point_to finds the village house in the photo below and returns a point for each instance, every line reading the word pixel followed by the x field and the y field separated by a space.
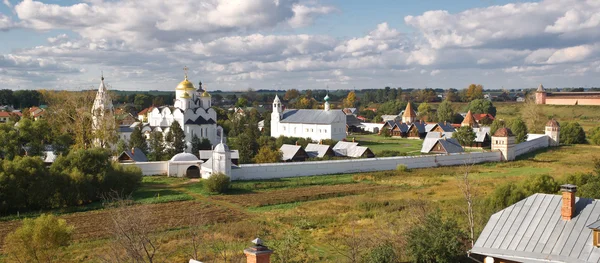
pixel 352 150
pixel 132 155
pixel 315 150
pixel 543 228
pixel 293 153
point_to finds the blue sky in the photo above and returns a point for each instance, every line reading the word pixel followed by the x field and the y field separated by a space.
pixel 268 44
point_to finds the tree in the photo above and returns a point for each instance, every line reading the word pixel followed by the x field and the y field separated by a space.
pixel 425 112
pixel 497 124
pixel 481 106
pixel 474 92
pixel 466 187
pixel 594 137
pixel 157 147
pixel 464 135
pixel 138 140
pixel 7 97
pixel 445 111
pixel 533 115
pixel 121 146
pixel 436 240
pixel 291 94
pixel 519 129
pixel 267 155
pixel 350 100
pixel 452 95
pixel 69 112
pixel 200 144
pixel 175 140
pixel 142 101
pixel 383 253
pixel 38 240
pixel 572 133
pixel 241 103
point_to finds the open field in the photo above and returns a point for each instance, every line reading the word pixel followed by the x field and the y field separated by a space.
pixel 322 209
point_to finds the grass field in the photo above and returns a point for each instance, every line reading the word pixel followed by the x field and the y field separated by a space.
pixel 378 143
pixel 321 210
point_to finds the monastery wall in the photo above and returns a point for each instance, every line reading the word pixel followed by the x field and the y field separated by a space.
pixel 572 101
pixel 152 168
pixel 529 146
pixel 296 169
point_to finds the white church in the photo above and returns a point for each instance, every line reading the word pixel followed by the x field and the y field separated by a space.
pixel 308 123
pixel 192 110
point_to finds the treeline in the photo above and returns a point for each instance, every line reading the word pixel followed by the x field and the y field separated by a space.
pixel 81 177
pixel 21 98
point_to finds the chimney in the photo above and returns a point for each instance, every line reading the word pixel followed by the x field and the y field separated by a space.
pixel 132 150
pixel 352 139
pixel 296 143
pixel 258 253
pixel 568 201
pixel 320 141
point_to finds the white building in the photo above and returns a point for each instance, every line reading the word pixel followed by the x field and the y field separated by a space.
pixel 193 112
pixel 314 124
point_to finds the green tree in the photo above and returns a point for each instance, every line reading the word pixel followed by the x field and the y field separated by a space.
pixel 572 133
pixel 200 144
pixel 594 137
pixel 436 240
pixel 445 111
pixel 121 146
pixel 519 129
pixel 464 135
pixel 138 140
pixel 391 107
pixel 38 240
pixel 267 155
pixel 383 253
pixel 157 147
pixel 481 106
pixel 497 124
pixel 241 103
pixel 175 140
pixel 142 101
pixel 426 112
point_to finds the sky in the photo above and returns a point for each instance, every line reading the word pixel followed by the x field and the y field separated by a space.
pixel 233 45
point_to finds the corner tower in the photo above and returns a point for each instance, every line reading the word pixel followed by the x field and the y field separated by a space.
pixel 504 141
pixel 552 130
pixel 540 95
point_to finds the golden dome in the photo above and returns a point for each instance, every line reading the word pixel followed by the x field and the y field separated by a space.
pixel 186 95
pixel 185 85
pixel 205 94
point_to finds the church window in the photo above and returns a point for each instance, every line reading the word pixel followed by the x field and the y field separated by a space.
pixel 284 128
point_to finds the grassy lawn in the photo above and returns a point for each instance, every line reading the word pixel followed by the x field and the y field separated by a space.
pixel 378 143
pixel 323 209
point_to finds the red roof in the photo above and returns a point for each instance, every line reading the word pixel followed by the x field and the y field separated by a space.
pixel 4 114
pixel 146 110
pixel 480 116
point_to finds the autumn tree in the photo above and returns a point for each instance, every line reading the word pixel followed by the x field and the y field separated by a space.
pixel 474 92
pixel 69 112
pixel 175 139
pixel 291 94
pixel 267 155
pixel 350 100
pixel 533 115
pixel 38 240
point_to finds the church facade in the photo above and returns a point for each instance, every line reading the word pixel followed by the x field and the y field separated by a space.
pixel 315 124
pixel 192 110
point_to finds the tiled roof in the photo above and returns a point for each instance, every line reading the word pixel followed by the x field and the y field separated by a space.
pixel 552 123
pixel 532 230
pixel 480 116
pixel 146 110
pixel 503 132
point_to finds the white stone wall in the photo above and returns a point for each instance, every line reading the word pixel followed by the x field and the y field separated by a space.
pixel 152 168
pixel 529 146
pixel 280 170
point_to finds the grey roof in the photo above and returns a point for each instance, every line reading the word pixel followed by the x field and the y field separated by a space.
pixel 313 116
pixel 429 142
pixel 316 150
pixel 420 126
pixel 447 127
pixel 451 145
pixel 125 128
pixel 349 149
pixel 481 133
pixel 532 230
pixel 137 155
pixel 289 151
pixel 352 120
pixel 207 154
pixel 595 225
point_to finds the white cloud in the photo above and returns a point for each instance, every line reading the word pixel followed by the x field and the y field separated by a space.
pixel 435 72
pixel 7 3
pixel 304 15
pixel 572 54
pixel 6 23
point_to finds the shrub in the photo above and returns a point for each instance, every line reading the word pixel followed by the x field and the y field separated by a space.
pixel 390 153
pixel 594 137
pixel 217 183
pixel 402 168
pixel 572 133
pixel 436 240
pixel 38 240
pixel 383 253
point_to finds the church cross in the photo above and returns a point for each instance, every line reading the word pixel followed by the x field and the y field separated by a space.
pixel 185 69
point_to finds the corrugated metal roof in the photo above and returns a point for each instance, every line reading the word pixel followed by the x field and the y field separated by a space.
pixel 137 155
pixel 451 145
pixel 481 133
pixel 349 149
pixel 316 150
pixel 429 142
pixel 532 230
pixel 289 151
pixel 313 116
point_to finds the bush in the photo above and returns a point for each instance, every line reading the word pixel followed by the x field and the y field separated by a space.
pixel 572 133
pixel 390 153
pixel 383 253
pixel 38 240
pixel 510 193
pixel 594 137
pixel 436 240
pixel 217 183
pixel 402 168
